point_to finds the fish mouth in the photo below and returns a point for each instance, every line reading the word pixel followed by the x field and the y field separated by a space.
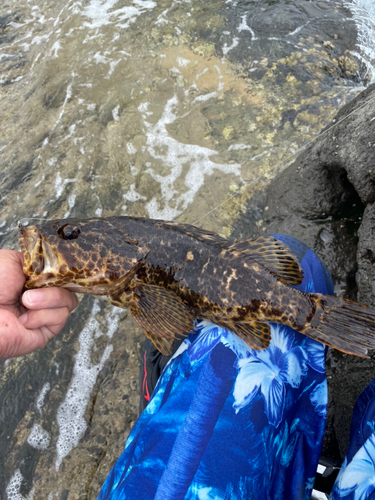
pixel 41 263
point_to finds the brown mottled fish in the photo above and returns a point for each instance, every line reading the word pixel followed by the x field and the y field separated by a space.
pixel 168 274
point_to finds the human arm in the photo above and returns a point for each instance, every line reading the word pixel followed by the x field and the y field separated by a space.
pixel 27 323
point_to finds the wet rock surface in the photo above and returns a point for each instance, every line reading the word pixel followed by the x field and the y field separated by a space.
pixel 38 400
pixel 326 199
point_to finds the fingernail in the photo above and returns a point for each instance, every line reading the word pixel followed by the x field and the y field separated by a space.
pixel 22 319
pixel 32 297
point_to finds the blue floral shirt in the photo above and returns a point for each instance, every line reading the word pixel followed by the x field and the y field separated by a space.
pixel 356 480
pixel 226 422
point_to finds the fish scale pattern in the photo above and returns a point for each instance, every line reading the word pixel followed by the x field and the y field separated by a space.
pixel 227 422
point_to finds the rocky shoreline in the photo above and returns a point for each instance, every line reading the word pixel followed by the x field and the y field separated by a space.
pixel 326 198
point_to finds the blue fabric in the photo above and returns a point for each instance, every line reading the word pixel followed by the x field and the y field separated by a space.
pixel 226 422
pixel 356 480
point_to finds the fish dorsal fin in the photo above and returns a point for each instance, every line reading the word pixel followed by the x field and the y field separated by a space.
pixel 162 314
pixel 199 234
pixel 274 255
pixel 256 334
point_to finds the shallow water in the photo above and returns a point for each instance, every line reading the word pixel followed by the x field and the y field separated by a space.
pixel 158 109
pixel 162 110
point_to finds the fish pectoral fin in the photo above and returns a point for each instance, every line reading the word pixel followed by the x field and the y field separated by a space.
pixel 256 334
pixel 162 344
pixel 274 255
pixel 162 314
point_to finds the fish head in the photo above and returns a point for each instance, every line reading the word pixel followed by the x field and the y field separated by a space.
pixel 87 256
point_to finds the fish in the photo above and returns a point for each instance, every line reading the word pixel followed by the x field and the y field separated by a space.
pixel 170 274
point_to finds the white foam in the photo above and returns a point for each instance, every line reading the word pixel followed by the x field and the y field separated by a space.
pixel 113 318
pixel 363 12
pixel 175 156
pixel 55 48
pixel 182 62
pixel 205 97
pixel 297 30
pixel 115 113
pixel 70 414
pixel 72 130
pixel 39 438
pixel 236 147
pixel 51 161
pixel 103 12
pixel 42 395
pixel 112 66
pixel 98 58
pixel 256 157
pixel 130 148
pixel 244 27
pixel 14 486
pixel 175 70
pixel 132 195
pixel 68 95
pixel 60 184
pixel 160 19
pixel 37 40
pixel 227 48
pixel 71 203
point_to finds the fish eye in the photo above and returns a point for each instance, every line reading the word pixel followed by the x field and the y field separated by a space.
pixel 69 232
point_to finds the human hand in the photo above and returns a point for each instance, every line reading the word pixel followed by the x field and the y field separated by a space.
pixel 28 323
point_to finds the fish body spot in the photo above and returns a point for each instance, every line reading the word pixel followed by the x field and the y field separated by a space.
pixel 190 255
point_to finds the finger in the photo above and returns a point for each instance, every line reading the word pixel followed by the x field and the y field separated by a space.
pixel 51 319
pixel 49 298
pixel 12 275
pixel 16 340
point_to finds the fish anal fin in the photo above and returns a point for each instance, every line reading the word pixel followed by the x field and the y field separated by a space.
pixel 256 334
pixel 274 255
pixel 162 314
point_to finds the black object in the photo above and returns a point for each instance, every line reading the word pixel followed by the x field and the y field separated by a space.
pixel 326 475
pixel 151 366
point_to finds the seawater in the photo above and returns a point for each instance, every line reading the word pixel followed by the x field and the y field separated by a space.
pixel 364 16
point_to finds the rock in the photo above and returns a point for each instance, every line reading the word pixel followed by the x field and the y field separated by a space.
pixel 326 199
pixel 366 258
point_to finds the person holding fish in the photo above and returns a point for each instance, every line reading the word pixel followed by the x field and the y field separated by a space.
pixel 28 324
pixel 229 418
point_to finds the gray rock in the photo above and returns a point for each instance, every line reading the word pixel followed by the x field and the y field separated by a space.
pixel 366 258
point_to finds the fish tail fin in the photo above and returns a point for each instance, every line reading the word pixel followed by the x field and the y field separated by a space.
pixel 342 324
